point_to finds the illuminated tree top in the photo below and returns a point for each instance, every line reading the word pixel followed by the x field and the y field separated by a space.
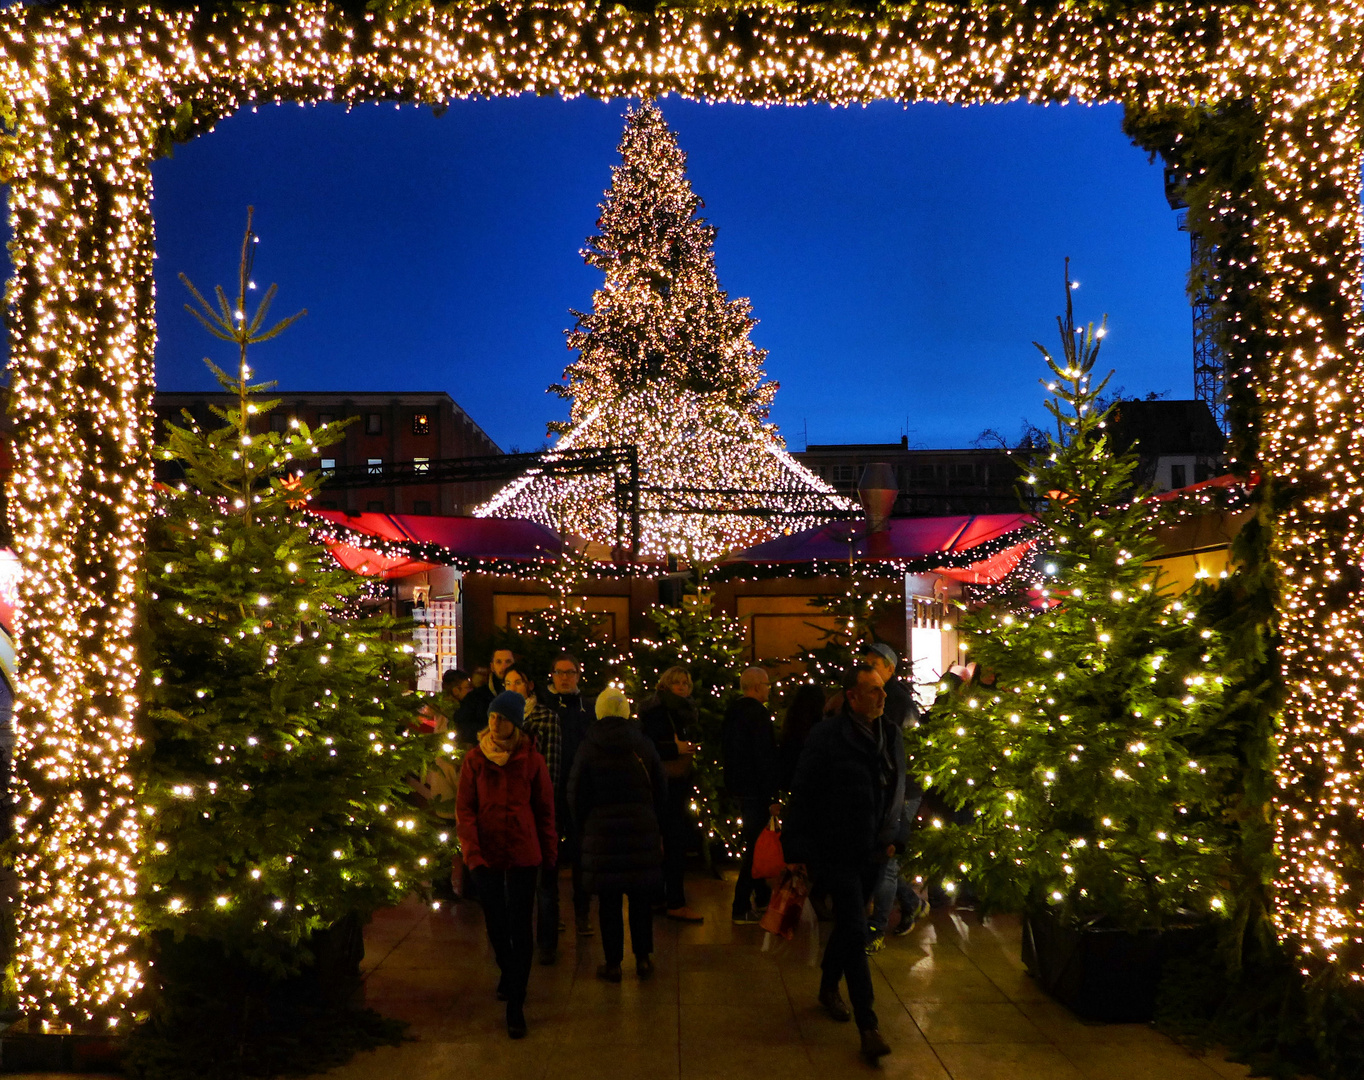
pixel 665 365
pixel 661 315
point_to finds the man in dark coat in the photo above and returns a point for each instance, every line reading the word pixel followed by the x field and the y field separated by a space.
pixel 618 795
pixel 575 716
pixel 843 822
pixel 474 708
pixel 749 745
pixel 901 708
pixel 902 711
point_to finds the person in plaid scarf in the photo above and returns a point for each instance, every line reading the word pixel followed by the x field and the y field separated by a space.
pixel 542 722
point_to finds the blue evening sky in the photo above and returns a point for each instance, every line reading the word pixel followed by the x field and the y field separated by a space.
pixel 900 261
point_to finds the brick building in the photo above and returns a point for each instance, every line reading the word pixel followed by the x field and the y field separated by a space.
pixel 390 427
pixel 933 483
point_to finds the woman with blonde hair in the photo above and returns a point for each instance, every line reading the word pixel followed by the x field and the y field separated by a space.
pixel 668 717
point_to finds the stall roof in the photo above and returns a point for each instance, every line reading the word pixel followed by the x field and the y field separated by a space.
pixel 910 544
pixel 397 545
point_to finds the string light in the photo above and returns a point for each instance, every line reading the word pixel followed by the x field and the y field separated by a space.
pixel 97 93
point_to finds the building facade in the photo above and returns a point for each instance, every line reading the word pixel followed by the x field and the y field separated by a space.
pixel 933 483
pixel 1177 443
pixel 388 427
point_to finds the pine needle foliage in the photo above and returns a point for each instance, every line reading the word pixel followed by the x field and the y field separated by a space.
pixel 1095 771
pixel 567 624
pixel 661 315
pixel 665 365
pixel 856 609
pixel 711 648
pixel 277 709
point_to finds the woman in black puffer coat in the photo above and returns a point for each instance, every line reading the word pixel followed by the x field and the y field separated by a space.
pixel 617 794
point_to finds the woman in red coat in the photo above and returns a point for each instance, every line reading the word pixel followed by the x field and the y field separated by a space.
pixel 505 815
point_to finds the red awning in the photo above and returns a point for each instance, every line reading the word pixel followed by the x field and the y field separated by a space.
pixel 411 543
pixel 912 544
pixel 1225 482
pixel 905 540
pixel 988 571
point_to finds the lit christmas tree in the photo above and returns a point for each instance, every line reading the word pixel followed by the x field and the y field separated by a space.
pixel 281 732
pixel 1099 767
pixel 710 646
pixel 665 364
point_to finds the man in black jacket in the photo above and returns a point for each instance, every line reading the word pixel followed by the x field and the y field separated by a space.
pixel 749 744
pixel 843 822
pixel 475 704
pixel 901 708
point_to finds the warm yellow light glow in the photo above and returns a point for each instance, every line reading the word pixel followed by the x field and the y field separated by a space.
pixel 96 93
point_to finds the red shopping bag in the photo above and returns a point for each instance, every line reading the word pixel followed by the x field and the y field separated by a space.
pixel 768 860
pixel 783 913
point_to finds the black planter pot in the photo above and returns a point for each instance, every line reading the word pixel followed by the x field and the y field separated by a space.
pixel 1101 973
pixel 215 1005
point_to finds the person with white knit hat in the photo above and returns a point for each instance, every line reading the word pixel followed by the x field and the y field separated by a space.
pixel 616 793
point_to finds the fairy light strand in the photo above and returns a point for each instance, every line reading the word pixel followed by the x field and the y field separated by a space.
pixel 96 93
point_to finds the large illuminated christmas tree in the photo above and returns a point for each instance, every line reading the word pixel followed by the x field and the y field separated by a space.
pixel 665 364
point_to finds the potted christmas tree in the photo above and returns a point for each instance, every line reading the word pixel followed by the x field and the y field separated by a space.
pixel 1089 759
pixel 280 742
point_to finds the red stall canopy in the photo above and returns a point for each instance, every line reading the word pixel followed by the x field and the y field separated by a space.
pixel 911 544
pixel 405 544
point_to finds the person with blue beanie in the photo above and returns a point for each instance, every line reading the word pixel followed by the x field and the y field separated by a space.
pixel 505 821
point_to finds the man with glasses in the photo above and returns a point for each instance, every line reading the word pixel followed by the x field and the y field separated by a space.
pixel 575 713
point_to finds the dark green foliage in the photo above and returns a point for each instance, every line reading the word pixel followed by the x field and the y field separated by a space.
pixel 856 610
pixel 711 648
pixel 279 728
pixel 1096 767
pixel 566 625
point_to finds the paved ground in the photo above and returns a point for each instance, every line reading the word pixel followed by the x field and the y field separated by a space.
pixel 953 999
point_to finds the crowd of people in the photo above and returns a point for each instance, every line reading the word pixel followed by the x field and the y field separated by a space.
pixel 550 776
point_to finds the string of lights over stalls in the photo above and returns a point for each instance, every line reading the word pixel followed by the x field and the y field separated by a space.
pixel 97 93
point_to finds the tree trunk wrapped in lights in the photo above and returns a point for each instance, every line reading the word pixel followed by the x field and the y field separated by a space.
pixel 665 364
pixel 1096 771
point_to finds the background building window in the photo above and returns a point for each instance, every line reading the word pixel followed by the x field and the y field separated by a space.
pixel 376 465
pixel 421 424
pixel 421 506
pixel 328 466
pixel 421 464
pixel 279 422
pixel 374 423
pixel 1177 476
pixel 325 418
pixel 374 506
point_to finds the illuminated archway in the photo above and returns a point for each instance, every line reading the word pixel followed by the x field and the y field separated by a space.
pixel 95 94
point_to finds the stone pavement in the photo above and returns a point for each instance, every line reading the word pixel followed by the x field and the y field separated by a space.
pixel 952 997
